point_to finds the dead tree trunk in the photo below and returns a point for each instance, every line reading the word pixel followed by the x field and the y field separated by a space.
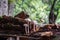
pixel 52 16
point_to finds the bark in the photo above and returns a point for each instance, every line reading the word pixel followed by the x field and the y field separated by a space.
pixel 52 16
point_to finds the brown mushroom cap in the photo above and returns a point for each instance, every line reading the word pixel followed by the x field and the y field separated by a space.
pixel 22 15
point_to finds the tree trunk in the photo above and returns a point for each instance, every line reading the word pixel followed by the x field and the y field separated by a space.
pixel 4 6
pixel 52 16
pixel 11 9
pixel 0 8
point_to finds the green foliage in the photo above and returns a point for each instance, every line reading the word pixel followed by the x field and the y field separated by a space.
pixel 37 9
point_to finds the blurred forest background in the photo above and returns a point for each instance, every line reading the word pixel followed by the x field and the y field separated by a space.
pixel 37 9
